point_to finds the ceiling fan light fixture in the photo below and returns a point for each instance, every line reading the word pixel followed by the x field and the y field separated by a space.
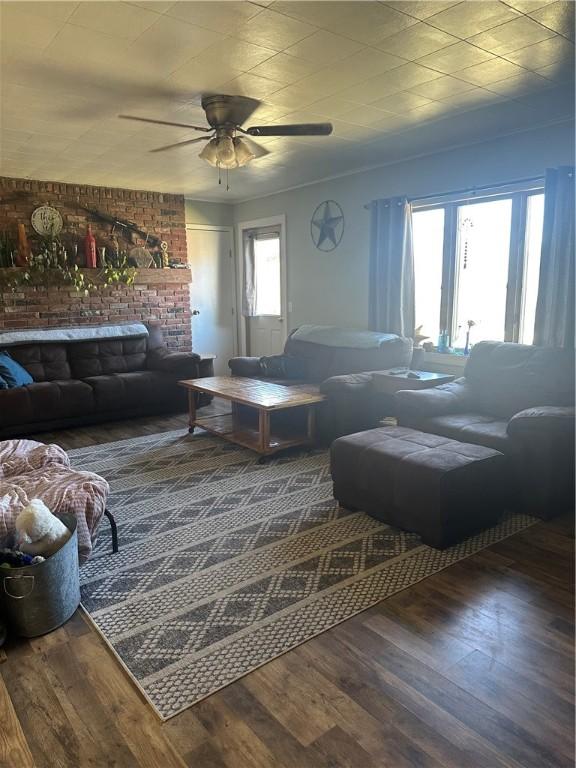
pixel 243 152
pixel 226 153
pixel 210 153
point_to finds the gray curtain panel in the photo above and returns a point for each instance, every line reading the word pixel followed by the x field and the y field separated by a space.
pixel 554 325
pixel 391 289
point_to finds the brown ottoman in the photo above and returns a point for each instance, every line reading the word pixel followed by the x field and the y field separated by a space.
pixel 436 487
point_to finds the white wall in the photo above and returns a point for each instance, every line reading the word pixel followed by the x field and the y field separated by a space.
pixel 214 214
pixel 332 288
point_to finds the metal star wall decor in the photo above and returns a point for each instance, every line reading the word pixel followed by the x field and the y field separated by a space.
pixel 327 225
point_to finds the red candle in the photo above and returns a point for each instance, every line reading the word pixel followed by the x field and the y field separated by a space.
pixel 90 249
pixel 23 255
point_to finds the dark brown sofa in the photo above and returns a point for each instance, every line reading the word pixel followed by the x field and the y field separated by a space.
pixel 339 372
pixel 519 400
pixel 85 382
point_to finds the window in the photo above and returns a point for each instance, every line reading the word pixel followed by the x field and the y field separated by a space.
pixel 476 264
pixel 267 274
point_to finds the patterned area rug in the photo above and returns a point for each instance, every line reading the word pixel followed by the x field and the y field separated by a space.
pixel 225 564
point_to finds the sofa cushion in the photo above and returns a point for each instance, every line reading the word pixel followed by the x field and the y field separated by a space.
pixel 132 390
pixel 99 358
pixel 12 372
pixel 470 428
pixel 45 401
pixel 44 362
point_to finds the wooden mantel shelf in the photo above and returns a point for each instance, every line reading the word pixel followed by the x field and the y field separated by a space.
pixel 161 276
pixel 143 276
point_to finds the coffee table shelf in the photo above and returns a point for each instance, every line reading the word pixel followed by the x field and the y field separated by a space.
pixel 265 417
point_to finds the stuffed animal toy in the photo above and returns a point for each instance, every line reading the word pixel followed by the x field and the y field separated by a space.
pixel 38 531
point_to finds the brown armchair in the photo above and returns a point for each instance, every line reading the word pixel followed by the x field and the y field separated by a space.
pixel 519 400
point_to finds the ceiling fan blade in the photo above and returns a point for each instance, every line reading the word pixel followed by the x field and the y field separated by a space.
pixel 228 109
pixel 165 122
pixel 256 149
pixel 181 144
pixel 301 129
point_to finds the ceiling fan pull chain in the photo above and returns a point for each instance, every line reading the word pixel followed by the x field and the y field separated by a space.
pixel 227 177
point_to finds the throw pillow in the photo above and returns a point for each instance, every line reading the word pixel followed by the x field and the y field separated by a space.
pixel 12 372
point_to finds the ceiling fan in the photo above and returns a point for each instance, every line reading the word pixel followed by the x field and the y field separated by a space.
pixel 225 116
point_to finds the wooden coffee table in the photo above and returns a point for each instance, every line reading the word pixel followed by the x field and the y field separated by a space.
pixel 265 417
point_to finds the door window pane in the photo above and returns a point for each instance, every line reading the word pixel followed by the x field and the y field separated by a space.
pixel 428 236
pixel 533 245
pixel 482 253
pixel 267 275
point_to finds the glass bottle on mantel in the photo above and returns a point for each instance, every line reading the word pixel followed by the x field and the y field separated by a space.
pixel 90 249
pixel 23 252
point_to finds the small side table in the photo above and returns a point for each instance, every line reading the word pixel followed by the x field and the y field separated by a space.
pixel 393 380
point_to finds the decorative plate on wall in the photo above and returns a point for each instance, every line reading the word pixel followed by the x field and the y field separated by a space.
pixel 46 220
pixel 327 225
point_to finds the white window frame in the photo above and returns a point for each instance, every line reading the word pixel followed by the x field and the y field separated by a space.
pixel 517 252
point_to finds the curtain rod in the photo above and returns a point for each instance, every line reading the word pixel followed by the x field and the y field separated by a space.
pixel 470 189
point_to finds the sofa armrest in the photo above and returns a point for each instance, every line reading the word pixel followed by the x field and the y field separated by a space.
pixel 183 364
pixel 245 366
pixel 350 384
pixel 437 401
pixel 553 420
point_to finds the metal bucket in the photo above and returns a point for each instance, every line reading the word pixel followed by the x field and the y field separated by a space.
pixel 36 599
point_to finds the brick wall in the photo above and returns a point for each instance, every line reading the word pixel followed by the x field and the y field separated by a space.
pixel 160 295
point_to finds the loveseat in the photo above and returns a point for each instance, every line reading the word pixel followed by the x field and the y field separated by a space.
pixel 519 400
pixel 121 373
pixel 336 360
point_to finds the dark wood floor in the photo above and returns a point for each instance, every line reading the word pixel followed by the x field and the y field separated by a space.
pixel 471 668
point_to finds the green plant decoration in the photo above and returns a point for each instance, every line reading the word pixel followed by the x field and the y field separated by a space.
pixel 50 267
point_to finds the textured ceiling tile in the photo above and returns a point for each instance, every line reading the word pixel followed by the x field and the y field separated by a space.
pixel 200 75
pixel 511 36
pixel 489 72
pixel 475 98
pixel 170 43
pixel 324 48
pixel 251 85
pixel 366 63
pixel 557 16
pixel 410 75
pixel 442 88
pixel 237 53
pixel 560 71
pixel 284 69
pixel 455 58
pixel 333 106
pixel 117 19
pixel 55 11
pixel 400 103
pixel 218 16
pixel 28 29
pixel 273 30
pixel 528 82
pixel 543 54
pixel 159 6
pixel 422 9
pixel 525 6
pixel 365 115
pixel 368 22
pixel 469 18
pixel 417 41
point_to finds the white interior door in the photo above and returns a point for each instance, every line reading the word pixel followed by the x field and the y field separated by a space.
pixel 266 329
pixel 213 294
